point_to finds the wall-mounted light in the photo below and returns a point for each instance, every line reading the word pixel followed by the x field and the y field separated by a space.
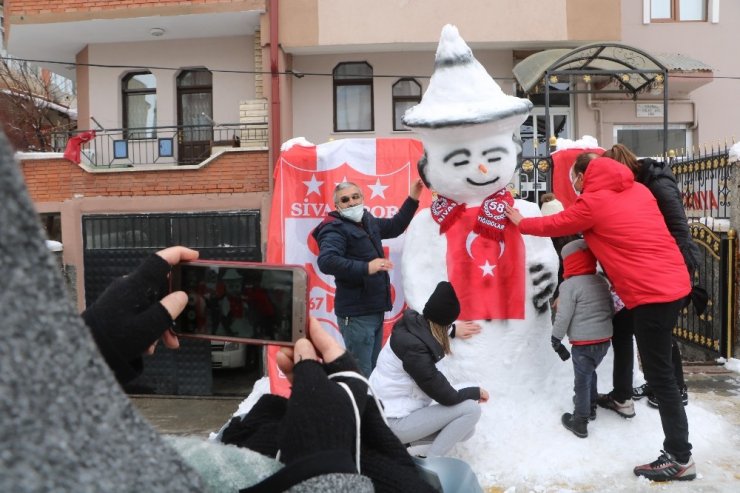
pixel 156 31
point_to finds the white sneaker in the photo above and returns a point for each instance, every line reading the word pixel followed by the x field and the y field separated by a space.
pixel 625 409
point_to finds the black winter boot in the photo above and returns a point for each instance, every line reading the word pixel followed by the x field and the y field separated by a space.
pixel 579 426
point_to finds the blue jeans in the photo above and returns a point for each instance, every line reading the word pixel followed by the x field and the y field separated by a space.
pixel 363 337
pixel 585 361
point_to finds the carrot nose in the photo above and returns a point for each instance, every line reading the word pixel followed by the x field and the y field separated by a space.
pixel 482 169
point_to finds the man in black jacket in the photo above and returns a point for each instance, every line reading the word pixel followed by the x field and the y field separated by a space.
pixel 351 250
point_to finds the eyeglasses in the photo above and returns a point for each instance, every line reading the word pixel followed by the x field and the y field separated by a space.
pixel 347 198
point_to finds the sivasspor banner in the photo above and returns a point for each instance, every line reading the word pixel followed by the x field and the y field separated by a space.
pixel 305 177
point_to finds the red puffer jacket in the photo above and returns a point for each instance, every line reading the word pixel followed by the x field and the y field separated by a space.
pixel 625 230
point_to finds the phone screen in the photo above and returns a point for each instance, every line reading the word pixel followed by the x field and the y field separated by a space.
pixel 234 302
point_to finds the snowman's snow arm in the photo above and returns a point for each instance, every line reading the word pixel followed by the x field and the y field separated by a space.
pixel 542 260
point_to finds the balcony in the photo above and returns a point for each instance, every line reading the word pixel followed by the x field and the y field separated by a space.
pixel 168 145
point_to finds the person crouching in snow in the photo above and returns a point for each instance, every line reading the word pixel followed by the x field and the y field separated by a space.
pixel 419 402
pixel 585 314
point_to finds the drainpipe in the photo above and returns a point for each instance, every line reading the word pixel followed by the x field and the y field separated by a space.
pixel 274 91
pixel 596 109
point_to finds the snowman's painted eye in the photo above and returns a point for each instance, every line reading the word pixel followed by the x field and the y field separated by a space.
pixel 461 155
pixel 495 154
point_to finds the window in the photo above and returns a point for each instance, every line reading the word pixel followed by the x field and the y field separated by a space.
pixel 353 97
pixel 140 105
pixel 647 140
pixel 406 93
pixel 52 223
pixel 678 10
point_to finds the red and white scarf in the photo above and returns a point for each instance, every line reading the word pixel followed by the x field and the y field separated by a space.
pixel 491 220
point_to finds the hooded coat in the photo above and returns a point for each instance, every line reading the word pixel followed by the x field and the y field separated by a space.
pixel 406 377
pixel 660 181
pixel 585 308
pixel 345 250
pixel 624 228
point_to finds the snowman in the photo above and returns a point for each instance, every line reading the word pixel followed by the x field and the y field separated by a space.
pixel 503 279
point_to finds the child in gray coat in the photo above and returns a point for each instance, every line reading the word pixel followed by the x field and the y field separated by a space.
pixel 585 314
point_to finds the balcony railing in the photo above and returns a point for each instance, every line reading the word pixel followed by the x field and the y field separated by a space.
pixel 174 145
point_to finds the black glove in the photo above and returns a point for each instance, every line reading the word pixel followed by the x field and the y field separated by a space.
pixel 559 348
pixel 128 318
pixel 258 429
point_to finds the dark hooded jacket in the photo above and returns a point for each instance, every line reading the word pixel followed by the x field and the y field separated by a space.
pixel 406 377
pixel 345 250
pixel 660 180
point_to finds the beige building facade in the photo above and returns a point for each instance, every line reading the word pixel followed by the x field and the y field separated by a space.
pixel 334 69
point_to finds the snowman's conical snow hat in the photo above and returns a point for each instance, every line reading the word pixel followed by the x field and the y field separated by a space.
pixel 461 93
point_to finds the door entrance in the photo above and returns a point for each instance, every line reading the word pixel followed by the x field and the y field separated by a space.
pixel 194 115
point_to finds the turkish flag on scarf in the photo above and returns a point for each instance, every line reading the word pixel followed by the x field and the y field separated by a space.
pixel 488 275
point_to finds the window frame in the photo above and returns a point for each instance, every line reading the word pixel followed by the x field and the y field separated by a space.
pixel 653 126
pixel 125 93
pixel 675 7
pixel 403 99
pixel 353 81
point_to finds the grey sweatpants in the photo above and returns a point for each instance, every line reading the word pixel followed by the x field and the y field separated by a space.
pixel 444 426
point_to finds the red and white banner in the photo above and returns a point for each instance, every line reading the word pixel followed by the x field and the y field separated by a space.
pixel 305 177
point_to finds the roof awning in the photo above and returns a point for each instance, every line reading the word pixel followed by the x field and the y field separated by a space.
pixel 634 70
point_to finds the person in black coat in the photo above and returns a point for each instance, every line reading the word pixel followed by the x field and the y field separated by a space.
pixel 659 179
pixel 351 250
pixel 419 401
pixel 316 430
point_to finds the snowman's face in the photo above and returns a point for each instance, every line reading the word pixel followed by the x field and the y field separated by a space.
pixel 469 170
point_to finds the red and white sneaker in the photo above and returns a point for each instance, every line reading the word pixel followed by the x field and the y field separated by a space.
pixel 667 468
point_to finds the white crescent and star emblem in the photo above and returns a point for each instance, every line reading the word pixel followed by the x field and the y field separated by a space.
pixel 487 268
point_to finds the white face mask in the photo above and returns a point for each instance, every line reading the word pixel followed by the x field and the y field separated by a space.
pixel 353 213
pixel 573 184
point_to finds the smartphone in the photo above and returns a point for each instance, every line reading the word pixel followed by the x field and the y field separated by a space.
pixel 250 303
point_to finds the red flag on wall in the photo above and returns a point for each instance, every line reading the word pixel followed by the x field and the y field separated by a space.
pixel 72 151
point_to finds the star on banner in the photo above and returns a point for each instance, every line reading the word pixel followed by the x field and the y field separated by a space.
pixel 487 269
pixel 313 186
pixel 378 189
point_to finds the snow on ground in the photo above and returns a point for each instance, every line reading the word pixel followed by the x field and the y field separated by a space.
pixel 544 457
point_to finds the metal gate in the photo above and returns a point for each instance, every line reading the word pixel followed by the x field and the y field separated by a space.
pixel 115 244
pixel 714 329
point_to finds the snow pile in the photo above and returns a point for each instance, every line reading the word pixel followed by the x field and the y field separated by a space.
pixel 732 364
pixel 734 154
pixel 296 141
pixel 585 142
pixel 715 224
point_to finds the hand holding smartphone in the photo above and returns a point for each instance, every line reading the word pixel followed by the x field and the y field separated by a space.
pixel 250 303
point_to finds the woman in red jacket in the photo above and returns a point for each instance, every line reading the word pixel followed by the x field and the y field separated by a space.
pixel 624 228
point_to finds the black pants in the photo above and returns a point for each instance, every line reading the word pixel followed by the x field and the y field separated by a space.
pixel 653 325
pixel 624 358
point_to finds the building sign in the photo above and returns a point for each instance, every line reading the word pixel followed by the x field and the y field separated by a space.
pixel 649 110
